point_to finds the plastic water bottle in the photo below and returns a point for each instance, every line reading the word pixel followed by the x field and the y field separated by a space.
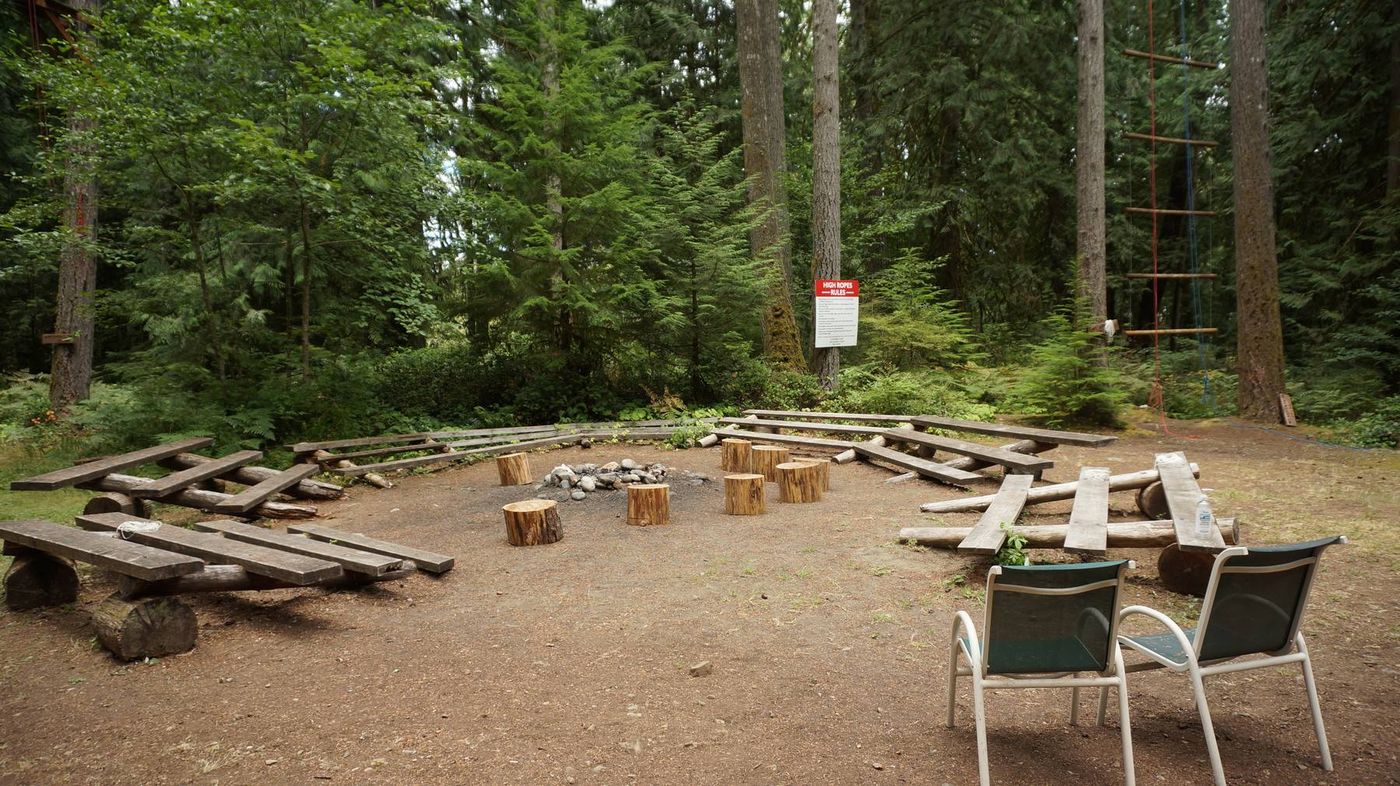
pixel 1205 519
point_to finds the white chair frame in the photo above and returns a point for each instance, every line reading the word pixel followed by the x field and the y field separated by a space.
pixel 1295 651
pixel 976 656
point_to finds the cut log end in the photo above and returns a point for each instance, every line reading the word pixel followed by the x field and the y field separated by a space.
pixel 743 494
pixel 736 456
pixel 1152 501
pixel 513 469
pixel 648 504
pixel 533 522
pixel 766 459
pixel 146 628
pixel 35 580
pixel 116 502
pixel 799 481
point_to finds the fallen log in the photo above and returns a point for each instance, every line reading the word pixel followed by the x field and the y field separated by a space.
pixel 849 455
pixel 372 478
pixel 201 499
pixel 711 439
pixel 1058 491
pixel 234 578
pixel 150 628
pixel 1121 534
pixel 114 502
pixel 252 476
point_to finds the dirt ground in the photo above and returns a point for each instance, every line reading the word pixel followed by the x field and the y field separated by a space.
pixel 569 663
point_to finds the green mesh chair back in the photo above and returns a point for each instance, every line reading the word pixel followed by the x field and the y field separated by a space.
pixel 1048 619
pixel 1258 600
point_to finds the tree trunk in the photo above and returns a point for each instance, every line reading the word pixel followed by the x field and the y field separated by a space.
pixel 826 170
pixel 736 455
pixel 1259 326
pixel 305 291
pixel 1089 163
pixel 35 580
pixel 71 376
pixel 1392 169
pixel 765 164
pixel 149 628
pixel 766 459
pixel 513 469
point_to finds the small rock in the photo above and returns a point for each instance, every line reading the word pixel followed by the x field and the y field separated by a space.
pixel 578 495
pixel 588 484
pixel 646 477
pixel 270 762
pixel 702 669
pixel 629 464
pixel 877 765
pixel 611 466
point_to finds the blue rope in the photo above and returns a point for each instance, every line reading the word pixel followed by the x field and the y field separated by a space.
pixel 1193 247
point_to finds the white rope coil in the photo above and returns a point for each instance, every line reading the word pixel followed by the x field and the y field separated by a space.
pixel 127 528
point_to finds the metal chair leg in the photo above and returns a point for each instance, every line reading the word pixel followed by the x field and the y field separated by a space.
pixel 1313 704
pixel 979 710
pixel 1198 687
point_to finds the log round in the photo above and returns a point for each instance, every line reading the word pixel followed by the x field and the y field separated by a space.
pixel 823 466
pixel 513 469
pixel 35 580
pixel 533 522
pixel 1152 501
pixel 146 628
pixel 799 481
pixel 116 502
pixel 766 459
pixel 736 455
pixel 1186 572
pixel 743 494
pixel 648 504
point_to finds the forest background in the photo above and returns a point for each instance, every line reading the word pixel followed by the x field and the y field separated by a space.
pixel 338 218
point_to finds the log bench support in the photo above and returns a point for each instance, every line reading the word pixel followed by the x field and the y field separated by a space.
pixel 144 628
pixel 35 580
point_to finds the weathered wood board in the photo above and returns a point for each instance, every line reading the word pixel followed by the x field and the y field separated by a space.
pixel 71 476
pixel 1183 494
pixel 295 569
pixel 926 468
pixel 1088 520
pixel 798 425
pixel 425 560
pixel 175 481
pixel 1051 493
pixel 114 554
pixel 353 560
pixel 1020 462
pixel 988 535
pixel 255 495
pixel 1019 432
pixel 787 439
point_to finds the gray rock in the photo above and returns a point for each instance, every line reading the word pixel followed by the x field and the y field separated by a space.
pixel 629 464
pixel 562 470
pixel 702 669
pixel 646 477
pixel 578 495
pixel 564 483
pixel 611 466
pixel 607 478
pixel 628 478
pixel 588 484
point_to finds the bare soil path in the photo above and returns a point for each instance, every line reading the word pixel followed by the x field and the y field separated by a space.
pixel 569 663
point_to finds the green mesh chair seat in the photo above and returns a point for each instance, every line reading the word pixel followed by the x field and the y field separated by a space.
pixel 1031 631
pixel 1165 644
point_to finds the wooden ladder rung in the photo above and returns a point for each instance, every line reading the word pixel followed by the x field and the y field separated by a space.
pixel 1171 331
pixel 1208 276
pixel 1170 59
pixel 1174 140
pixel 1164 211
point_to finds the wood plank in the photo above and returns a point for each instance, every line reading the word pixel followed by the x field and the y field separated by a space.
pixel 1160 58
pixel 1167 211
pixel 1172 331
pixel 425 560
pixel 353 560
pixel 71 476
pixel 114 554
pixel 988 535
pixel 926 468
pixel 255 495
pixel 1285 407
pixel 1051 493
pixel 1088 520
pixel 253 475
pixel 995 455
pixel 857 416
pixel 1121 534
pixel 796 425
pixel 562 428
pixel 175 481
pixel 1019 432
pixel 1028 446
pixel 1174 276
pixel 296 569
pixel 787 439
pixel 1183 493
pixel 200 499
pixel 461 455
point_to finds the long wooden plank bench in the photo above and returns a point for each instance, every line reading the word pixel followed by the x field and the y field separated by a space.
pixel 353 560
pixel 71 476
pixel 786 439
pixel 1183 494
pixel 797 425
pixel 1087 531
pixel 1014 462
pixel 926 468
pixel 285 566
pixel 1018 432
pixel 181 479
pixel 989 535
pixel 425 560
pixel 856 416
pixel 114 554
pixel 257 494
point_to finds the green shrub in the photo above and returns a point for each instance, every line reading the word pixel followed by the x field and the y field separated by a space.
pixel 877 390
pixel 1066 382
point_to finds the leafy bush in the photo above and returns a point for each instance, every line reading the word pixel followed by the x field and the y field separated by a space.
pixel 1378 429
pixel 872 389
pixel 1066 382
pixel 908 322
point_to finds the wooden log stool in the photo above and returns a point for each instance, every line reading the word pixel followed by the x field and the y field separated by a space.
pixel 736 455
pixel 823 466
pixel 514 469
pixel 766 459
pixel 648 504
pixel 743 494
pixel 533 522
pixel 145 628
pixel 799 481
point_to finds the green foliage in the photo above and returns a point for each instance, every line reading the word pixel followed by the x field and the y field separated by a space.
pixel 879 390
pixel 1013 550
pixel 1066 381
pixel 909 322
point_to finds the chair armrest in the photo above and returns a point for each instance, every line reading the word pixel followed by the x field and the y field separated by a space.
pixel 963 621
pixel 1167 623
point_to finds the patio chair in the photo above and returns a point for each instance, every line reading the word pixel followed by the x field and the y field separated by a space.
pixel 1046 626
pixel 1253 606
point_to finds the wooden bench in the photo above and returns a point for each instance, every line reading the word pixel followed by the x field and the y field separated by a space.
pixel 1183 494
pixel 795 425
pixel 1019 463
pixel 91 470
pixel 925 468
pixel 424 560
pixel 1018 432
pixel 988 536
pixel 352 560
